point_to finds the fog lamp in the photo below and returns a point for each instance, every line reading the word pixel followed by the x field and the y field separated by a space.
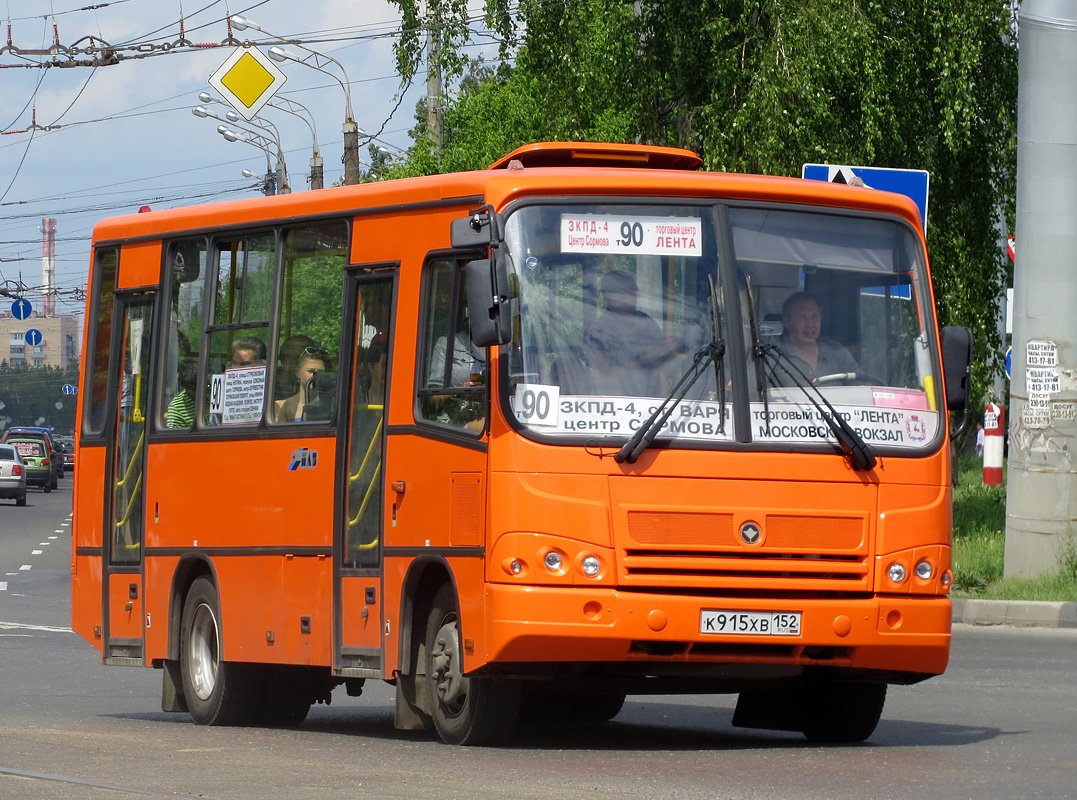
pixel 591 566
pixel 517 566
pixel 553 561
pixel 896 572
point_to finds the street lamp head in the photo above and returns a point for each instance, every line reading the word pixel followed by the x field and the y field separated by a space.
pixel 242 23
pixel 248 174
pixel 205 97
pixel 232 116
pixel 229 135
pixel 201 111
pixel 280 55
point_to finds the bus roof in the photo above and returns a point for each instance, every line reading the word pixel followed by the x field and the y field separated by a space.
pixel 539 169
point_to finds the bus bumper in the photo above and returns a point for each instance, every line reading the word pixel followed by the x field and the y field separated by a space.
pixel 887 634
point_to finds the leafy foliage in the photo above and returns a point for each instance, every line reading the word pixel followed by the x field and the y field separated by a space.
pixel 761 86
pixel 28 396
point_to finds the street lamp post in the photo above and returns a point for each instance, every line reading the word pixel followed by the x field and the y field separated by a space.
pixel 256 139
pixel 314 61
pixel 288 106
pixel 261 142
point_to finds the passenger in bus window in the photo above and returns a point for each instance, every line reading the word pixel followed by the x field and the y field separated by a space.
pixel 468 364
pixel 249 351
pixel 802 322
pixel 180 413
pixel 311 362
pixel 288 357
pixel 376 363
pixel 626 346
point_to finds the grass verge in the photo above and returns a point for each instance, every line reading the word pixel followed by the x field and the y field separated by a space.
pixel 980 542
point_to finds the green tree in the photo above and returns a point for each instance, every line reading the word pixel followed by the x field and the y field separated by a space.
pixel 29 396
pixel 759 86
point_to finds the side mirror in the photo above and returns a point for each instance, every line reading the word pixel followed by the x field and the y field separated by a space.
pixel 473 231
pixel 488 308
pixel 957 366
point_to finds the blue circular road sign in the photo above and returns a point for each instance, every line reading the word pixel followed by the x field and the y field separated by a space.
pixel 34 337
pixel 21 308
pixel 69 388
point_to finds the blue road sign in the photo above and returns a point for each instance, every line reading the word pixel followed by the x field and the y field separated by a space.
pixel 69 388
pixel 909 182
pixel 34 337
pixel 21 308
pixel 1009 359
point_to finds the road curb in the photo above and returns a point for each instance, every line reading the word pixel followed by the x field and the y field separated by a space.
pixel 1016 613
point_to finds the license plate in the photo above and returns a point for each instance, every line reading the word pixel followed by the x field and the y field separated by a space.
pixel 752 623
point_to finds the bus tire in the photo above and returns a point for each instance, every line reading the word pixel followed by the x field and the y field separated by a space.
pixel 842 713
pixel 217 692
pixel 467 710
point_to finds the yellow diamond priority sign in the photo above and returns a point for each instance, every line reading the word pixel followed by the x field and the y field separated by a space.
pixel 247 79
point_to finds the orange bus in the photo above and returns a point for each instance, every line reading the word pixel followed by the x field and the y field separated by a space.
pixel 589 423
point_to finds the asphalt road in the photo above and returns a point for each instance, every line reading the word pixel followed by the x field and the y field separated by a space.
pixel 1001 723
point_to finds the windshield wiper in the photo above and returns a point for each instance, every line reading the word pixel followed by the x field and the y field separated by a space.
pixel 642 438
pixel 860 454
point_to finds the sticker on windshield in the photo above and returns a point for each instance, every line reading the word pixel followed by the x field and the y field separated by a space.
pixel 896 427
pixel 623 416
pixel 537 404
pixel 631 235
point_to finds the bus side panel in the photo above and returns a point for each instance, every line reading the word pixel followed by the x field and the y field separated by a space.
pixel 239 494
pixel 240 505
pixel 140 265
pixel 308 610
pixel 159 572
pixel 253 625
pixel 86 602
pixel 86 611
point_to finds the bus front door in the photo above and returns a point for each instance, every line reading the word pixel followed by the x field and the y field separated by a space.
pixel 125 489
pixel 358 597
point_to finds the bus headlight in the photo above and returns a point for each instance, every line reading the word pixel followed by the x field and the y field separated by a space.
pixel 553 561
pixel 590 566
pixel 924 570
pixel 896 572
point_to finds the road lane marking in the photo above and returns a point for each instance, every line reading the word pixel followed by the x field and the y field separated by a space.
pixel 53 537
pixel 43 544
pixel 44 776
pixel 3 586
pixel 20 626
pixel 36 552
pixel 25 567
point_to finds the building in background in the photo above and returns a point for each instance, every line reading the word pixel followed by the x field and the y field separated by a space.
pixel 59 345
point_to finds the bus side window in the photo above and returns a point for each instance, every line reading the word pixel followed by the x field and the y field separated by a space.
pixel 308 345
pixel 452 372
pixel 235 361
pixel 187 272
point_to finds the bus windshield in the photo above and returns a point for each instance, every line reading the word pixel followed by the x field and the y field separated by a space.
pixel 617 301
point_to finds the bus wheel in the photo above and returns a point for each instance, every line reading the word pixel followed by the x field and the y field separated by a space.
pixel 842 713
pixel 466 710
pixel 217 692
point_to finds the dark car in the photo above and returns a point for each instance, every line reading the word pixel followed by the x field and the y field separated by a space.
pixel 56 461
pixel 68 444
pixel 12 475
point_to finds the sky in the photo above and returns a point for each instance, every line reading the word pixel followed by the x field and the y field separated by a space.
pixel 123 136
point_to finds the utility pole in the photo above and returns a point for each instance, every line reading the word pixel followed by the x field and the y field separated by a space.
pixel 351 152
pixel 433 83
pixel 1041 497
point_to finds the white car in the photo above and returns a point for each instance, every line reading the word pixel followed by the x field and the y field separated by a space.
pixel 12 475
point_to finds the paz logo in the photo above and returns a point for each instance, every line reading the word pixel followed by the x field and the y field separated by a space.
pixel 916 428
pixel 303 458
